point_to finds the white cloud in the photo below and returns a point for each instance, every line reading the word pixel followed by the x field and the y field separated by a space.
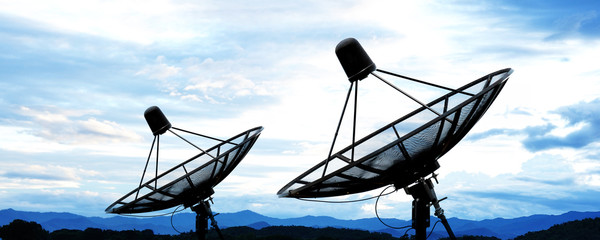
pixel 546 183
pixel 592 180
pixel 207 80
pixel 137 21
pixel 58 126
pixel 229 66
pixel 87 203
pixel 33 176
pixel 160 70
pixel 18 139
pixel 192 97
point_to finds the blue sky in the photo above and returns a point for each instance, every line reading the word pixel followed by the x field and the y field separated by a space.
pixel 76 77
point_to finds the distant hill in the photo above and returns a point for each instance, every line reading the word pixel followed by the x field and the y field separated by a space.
pixel 183 222
pixel 578 229
pixel 511 228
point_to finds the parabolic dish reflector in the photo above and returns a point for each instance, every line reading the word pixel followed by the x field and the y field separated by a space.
pixel 403 151
pixel 201 173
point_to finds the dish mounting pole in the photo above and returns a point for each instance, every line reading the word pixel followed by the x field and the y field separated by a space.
pixel 337 130
pixel 424 197
pixel 156 137
pixel 203 213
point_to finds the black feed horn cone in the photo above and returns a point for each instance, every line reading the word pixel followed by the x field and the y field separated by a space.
pixel 157 121
pixel 356 62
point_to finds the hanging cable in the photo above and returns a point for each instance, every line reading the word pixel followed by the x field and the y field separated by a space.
pixel 377 214
pixel 432 229
pixel 406 232
pixel 173 214
pixel 151 216
pixel 344 201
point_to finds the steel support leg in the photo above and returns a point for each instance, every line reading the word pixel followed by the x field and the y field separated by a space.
pixel 203 213
pixel 424 197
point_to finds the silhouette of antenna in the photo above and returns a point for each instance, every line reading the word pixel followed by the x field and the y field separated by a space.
pixel 194 178
pixel 398 154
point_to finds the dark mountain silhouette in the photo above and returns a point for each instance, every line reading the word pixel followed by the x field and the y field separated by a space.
pixel 259 225
pixel 185 222
pixel 579 229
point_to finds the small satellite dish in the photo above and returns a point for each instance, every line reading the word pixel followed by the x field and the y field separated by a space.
pixel 194 178
pixel 404 152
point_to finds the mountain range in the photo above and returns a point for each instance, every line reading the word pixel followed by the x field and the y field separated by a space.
pixel 185 222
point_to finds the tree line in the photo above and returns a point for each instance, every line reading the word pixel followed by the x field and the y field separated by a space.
pixel 579 229
pixel 23 230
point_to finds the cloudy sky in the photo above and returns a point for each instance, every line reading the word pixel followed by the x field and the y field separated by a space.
pixel 76 77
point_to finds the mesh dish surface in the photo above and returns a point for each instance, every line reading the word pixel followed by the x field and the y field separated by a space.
pixel 192 183
pixel 390 154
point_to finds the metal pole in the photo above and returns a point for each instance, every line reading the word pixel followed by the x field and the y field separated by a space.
pixel 439 212
pixel 203 213
pixel 337 129
pixel 156 170
pixel 201 150
pixel 213 222
pixel 202 135
pixel 424 197
pixel 447 226
pixel 423 82
pixel 420 218
pixel 409 96
pixel 145 167
pixel 201 226
pixel 354 122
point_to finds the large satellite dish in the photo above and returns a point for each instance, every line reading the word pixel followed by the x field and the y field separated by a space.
pixel 404 152
pixel 192 181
